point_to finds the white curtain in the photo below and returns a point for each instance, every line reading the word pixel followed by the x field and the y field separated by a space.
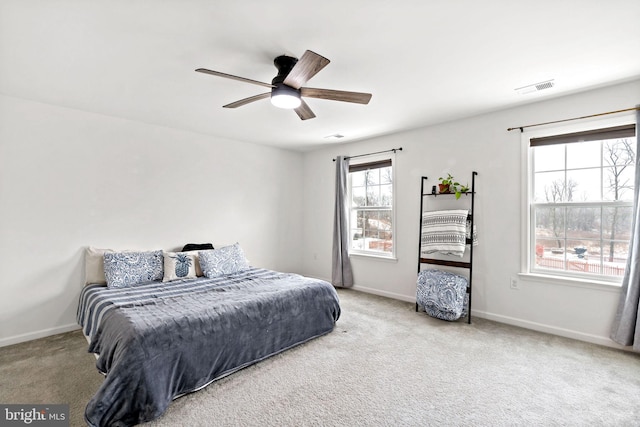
pixel 626 325
pixel 341 274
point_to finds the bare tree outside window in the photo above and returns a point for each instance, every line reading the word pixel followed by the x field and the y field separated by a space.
pixel 557 192
pixel 620 156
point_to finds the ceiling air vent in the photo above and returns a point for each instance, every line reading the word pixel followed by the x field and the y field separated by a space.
pixel 548 84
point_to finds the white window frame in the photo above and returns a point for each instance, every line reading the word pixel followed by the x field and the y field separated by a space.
pixel 528 269
pixel 369 253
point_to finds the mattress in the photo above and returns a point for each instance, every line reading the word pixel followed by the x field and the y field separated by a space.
pixel 158 341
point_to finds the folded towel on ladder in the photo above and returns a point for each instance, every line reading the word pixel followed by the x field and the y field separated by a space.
pixel 445 232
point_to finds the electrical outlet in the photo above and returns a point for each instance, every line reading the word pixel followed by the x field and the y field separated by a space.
pixel 513 283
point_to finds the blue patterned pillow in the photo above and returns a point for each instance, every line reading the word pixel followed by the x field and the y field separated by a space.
pixel 225 260
pixel 442 294
pixel 125 269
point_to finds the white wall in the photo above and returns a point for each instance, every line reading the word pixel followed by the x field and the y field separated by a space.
pixel 482 144
pixel 69 179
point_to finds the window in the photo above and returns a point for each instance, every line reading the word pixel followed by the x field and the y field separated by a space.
pixel 580 201
pixel 371 204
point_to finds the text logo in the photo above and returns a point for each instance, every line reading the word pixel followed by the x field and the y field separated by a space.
pixel 34 415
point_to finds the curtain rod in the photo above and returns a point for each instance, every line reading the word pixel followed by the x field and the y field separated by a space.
pixel 371 154
pixel 575 118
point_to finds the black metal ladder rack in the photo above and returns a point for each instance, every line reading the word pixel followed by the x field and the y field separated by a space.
pixel 450 263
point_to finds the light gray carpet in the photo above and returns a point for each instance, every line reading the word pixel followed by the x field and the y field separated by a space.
pixel 383 365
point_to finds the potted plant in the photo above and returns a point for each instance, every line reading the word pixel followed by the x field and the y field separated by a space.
pixel 447 184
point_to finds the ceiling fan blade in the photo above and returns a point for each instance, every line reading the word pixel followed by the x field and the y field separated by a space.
pixel 231 76
pixel 304 112
pixel 336 95
pixel 247 100
pixel 307 66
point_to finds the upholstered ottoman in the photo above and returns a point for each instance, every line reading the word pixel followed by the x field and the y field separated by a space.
pixel 442 294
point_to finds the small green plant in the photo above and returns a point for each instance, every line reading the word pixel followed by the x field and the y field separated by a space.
pixel 450 185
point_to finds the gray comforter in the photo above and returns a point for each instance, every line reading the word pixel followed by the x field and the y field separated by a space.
pixel 159 341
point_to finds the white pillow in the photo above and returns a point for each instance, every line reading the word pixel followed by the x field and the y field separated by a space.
pixel 180 265
pixel 94 266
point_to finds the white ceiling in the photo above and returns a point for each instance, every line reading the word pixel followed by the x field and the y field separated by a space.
pixel 424 61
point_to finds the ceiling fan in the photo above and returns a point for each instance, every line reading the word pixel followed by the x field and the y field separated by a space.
pixel 286 87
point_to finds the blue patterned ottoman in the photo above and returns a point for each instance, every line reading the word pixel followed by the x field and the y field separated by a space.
pixel 442 294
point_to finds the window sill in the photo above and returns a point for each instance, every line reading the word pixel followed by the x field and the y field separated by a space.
pixel 571 281
pixel 373 256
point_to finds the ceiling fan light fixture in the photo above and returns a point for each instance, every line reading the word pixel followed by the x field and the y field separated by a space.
pixel 283 96
pixel 287 87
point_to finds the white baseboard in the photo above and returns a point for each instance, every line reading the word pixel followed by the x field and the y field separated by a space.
pixel 540 327
pixel 373 291
pixel 387 294
pixel 553 330
pixel 16 339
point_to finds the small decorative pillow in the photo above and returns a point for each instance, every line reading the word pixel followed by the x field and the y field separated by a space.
pixel 179 265
pixel 126 269
pixel 225 260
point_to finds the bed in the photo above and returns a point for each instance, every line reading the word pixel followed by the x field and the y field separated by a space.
pixel 158 341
